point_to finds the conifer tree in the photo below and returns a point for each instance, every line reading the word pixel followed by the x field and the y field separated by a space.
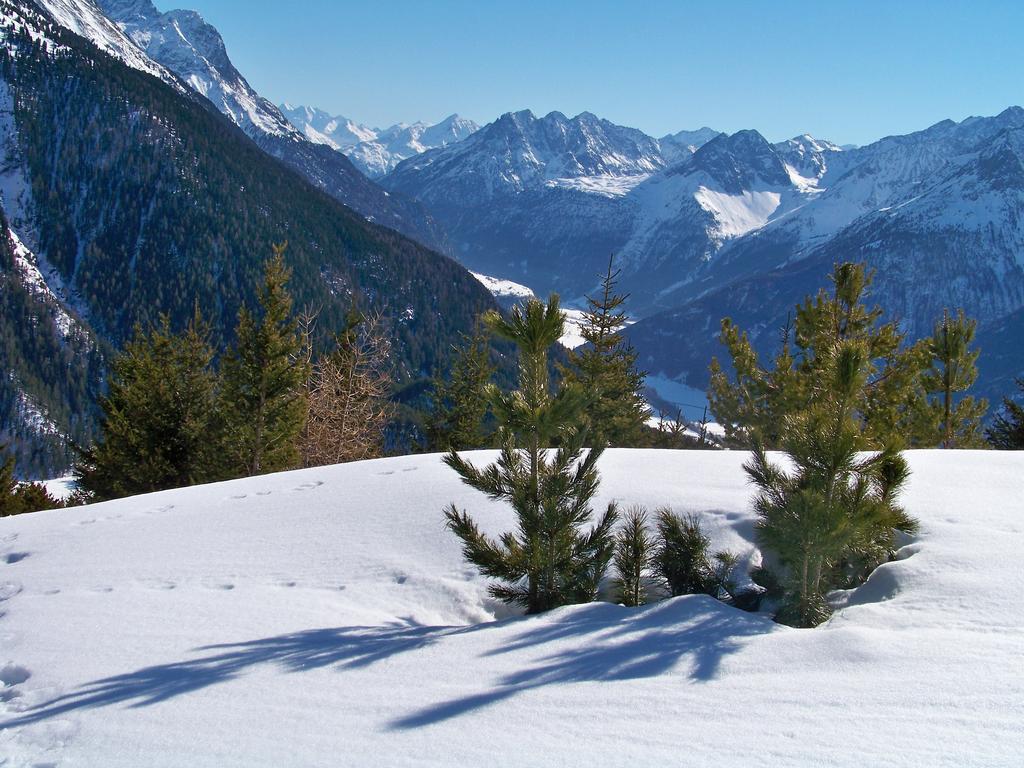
pixel 348 396
pixel 264 379
pixel 459 405
pixel 549 560
pixel 754 404
pixel 1007 430
pixel 606 366
pixel 159 418
pixel 9 502
pixel 681 559
pixel 633 557
pixel 953 369
pixel 836 508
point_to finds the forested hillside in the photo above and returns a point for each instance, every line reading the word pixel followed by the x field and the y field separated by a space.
pixel 144 200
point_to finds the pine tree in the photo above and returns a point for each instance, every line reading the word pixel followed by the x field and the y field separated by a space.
pixel 633 557
pixel 159 419
pixel 264 380
pixel 348 396
pixel 953 369
pixel 836 510
pixel 753 406
pixel 459 405
pixel 681 559
pixel 1007 430
pixel 9 502
pixel 606 366
pixel 549 560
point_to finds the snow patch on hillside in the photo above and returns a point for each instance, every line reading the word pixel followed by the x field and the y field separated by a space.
pixel 736 215
pixel 503 288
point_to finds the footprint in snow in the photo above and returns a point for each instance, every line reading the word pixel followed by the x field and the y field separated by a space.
pixel 410 469
pixel 389 472
pixel 240 496
pixel 14 674
pixel 15 557
pixel 51 592
pixel 9 589
pixel 288 584
pixel 309 486
pixel 263 493
pixel 90 521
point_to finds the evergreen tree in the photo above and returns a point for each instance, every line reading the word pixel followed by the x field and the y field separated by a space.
pixel 459 405
pixel 633 557
pixel 754 405
pixel 549 560
pixel 836 510
pixel 348 391
pixel 264 380
pixel 953 369
pixel 1007 430
pixel 682 554
pixel 606 366
pixel 158 428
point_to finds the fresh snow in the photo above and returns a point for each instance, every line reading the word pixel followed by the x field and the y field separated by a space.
pixel 502 288
pixel 84 18
pixel 738 214
pixel 326 616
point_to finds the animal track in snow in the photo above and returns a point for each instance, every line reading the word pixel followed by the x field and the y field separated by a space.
pixel 15 557
pixel 9 589
pixel 309 486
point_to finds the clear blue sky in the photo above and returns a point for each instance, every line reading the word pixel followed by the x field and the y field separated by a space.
pixel 847 71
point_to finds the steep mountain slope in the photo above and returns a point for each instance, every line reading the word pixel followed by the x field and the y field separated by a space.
pixel 376 151
pixel 140 199
pixel 183 43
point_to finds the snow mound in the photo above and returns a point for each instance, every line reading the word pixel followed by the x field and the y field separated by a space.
pixel 326 616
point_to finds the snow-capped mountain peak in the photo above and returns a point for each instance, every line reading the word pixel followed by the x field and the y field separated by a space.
pixel 86 18
pixel 194 50
pixel 376 151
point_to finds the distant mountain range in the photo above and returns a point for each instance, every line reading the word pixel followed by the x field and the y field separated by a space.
pixel 376 151
pixel 712 224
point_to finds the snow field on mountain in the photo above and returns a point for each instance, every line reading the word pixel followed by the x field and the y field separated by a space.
pixel 326 617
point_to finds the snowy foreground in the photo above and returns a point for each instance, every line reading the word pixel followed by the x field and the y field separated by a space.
pixel 325 617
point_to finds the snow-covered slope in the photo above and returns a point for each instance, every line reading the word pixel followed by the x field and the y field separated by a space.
pixel 86 18
pixel 183 42
pixel 326 616
pixel 376 151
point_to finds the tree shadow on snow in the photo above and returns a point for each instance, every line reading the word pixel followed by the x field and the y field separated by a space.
pixel 348 647
pixel 597 642
pixel 609 643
